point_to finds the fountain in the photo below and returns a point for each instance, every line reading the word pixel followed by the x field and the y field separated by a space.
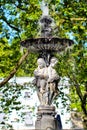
pixel 46 78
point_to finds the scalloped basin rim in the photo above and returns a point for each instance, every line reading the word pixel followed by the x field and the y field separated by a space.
pixel 46 40
pixel 48 43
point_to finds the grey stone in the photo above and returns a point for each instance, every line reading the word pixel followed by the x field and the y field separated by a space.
pixel 46 118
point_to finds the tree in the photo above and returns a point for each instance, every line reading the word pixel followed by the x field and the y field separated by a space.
pixel 17 22
pixel 73 65
pixel 15 69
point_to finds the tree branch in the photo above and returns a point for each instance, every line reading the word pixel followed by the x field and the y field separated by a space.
pixel 79 93
pixel 21 8
pixel 76 86
pixel 5 20
pixel 15 69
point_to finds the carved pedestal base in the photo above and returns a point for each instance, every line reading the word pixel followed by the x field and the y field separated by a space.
pixel 46 118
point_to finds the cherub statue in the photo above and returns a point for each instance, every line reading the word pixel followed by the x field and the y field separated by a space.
pixel 40 74
pixel 52 80
pixel 46 80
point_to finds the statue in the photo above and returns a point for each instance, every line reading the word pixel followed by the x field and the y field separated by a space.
pixel 52 80
pixel 46 80
pixel 40 74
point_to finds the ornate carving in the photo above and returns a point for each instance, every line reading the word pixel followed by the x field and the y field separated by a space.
pixel 46 80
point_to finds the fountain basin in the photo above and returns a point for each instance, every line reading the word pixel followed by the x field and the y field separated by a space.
pixel 53 44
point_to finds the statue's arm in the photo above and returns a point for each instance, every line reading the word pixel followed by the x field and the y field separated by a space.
pixel 53 76
pixel 38 74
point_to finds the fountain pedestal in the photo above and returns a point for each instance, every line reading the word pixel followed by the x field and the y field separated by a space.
pixel 46 118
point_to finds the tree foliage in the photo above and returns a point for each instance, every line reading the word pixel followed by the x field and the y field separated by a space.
pixel 18 21
pixel 74 66
pixel 8 57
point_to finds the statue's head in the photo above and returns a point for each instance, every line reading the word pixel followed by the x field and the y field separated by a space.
pixel 53 61
pixel 41 63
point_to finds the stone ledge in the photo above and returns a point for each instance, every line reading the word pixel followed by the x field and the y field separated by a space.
pixel 45 129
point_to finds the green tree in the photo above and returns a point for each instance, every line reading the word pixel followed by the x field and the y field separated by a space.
pixel 8 57
pixel 18 21
pixel 74 65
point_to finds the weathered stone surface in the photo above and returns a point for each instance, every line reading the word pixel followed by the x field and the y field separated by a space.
pixel 46 118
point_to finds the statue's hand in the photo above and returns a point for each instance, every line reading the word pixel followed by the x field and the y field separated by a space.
pixel 41 76
pixel 34 82
pixel 50 80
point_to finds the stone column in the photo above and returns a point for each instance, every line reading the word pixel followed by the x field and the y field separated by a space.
pixel 46 118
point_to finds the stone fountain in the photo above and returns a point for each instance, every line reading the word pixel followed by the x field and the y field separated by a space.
pixel 46 79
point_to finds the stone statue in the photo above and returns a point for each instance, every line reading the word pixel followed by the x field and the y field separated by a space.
pixel 52 81
pixel 46 80
pixel 40 74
